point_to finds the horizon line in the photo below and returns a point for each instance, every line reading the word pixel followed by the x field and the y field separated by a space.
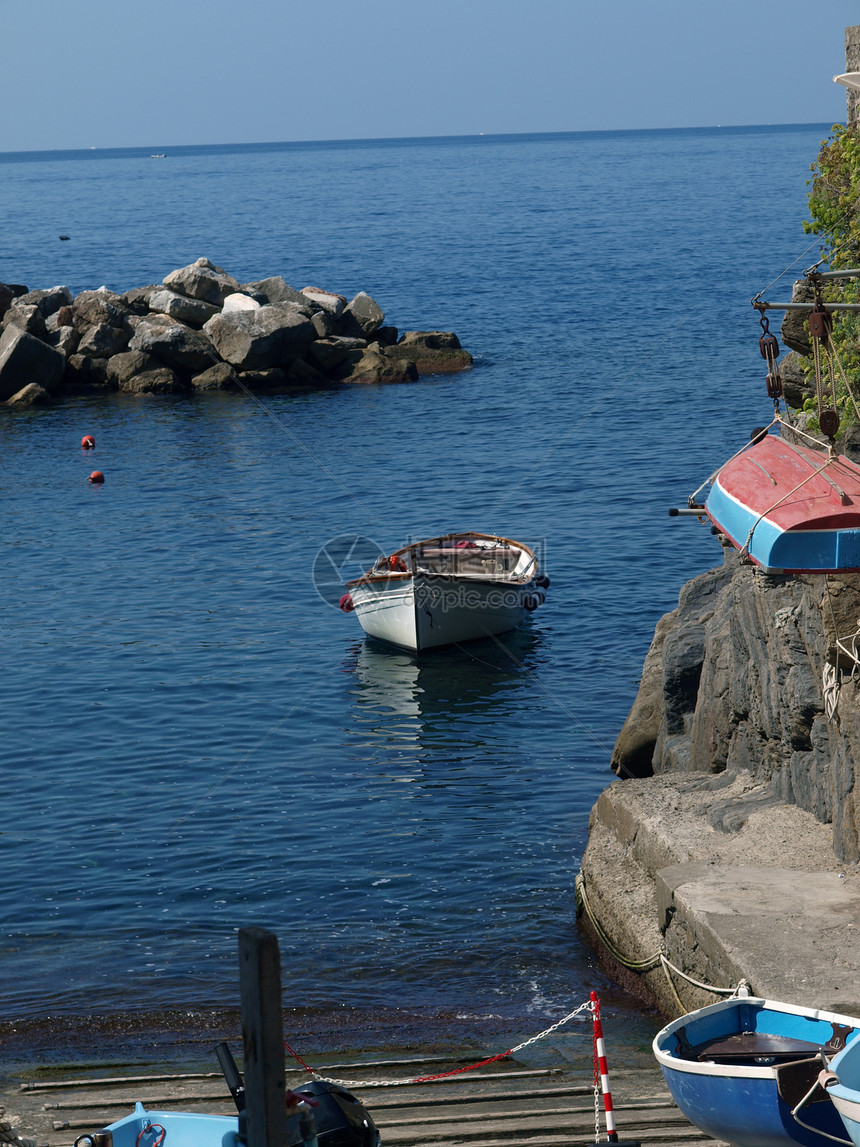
pixel 413 138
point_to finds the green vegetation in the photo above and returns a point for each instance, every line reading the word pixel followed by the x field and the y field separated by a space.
pixel 834 208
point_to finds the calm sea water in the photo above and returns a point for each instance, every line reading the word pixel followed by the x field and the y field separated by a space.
pixel 194 739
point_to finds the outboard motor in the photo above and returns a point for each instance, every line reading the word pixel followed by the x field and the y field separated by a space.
pixel 341 1121
pixel 331 1116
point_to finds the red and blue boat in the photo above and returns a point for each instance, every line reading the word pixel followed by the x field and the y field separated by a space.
pixel 789 509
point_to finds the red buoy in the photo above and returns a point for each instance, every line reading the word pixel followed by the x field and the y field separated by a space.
pixel 96 477
pixel 346 603
pixel 88 442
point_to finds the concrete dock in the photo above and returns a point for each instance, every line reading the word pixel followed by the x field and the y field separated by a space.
pixel 726 882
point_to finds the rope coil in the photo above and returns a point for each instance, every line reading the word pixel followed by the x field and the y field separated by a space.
pixel 650 962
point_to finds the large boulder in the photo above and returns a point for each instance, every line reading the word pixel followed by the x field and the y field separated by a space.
pixel 193 311
pixel 221 376
pixel 433 352
pixel 161 380
pixel 49 301
pixel 795 385
pixel 90 308
pixel 256 340
pixel 659 720
pixel 374 366
pixel 302 374
pixel 25 359
pixel 325 300
pixel 9 292
pixel 327 354
pixel 273 290
pixel 174 343
pixel 239 301
pixel 202 280
pixel 125 365
pixel 87 375
pixel 31 395
pixel 361 317
pixel 795 329
pixel 65 339
pixel 102 341
pixel 326 324
pixel 27 317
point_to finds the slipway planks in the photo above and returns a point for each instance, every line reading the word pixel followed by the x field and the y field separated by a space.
pixel 506 1102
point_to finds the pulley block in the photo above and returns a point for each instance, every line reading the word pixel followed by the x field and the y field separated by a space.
pixel 828 420
pixel 820 324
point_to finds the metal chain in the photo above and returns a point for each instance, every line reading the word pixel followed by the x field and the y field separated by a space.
pixel 586 1007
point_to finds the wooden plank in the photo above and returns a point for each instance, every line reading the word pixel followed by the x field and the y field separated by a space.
pixel 262 1037
pixel 506 1104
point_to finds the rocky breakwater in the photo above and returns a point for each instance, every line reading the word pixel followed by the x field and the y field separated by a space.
pixel 200 329
pixel 729 846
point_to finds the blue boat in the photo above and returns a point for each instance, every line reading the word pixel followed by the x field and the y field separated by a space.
pixel 788 508
pixel 319 1114
pixel 740 1069
pixel 144 1128
pixel 842 1084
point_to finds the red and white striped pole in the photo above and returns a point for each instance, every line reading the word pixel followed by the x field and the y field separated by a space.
pixel 601 1069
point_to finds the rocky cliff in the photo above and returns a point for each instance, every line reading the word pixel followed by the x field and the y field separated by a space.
pixel 741 676
pixel 736 820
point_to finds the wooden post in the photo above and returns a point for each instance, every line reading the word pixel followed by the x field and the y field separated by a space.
pixel 852 64
pixel 262 1037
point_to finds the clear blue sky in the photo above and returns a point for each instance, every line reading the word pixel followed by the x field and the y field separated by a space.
pixel 157 73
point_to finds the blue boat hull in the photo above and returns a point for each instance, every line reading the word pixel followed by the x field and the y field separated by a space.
pixel 739 1102
pixel 845 1095
pixel 779 551
pixel 749 1112
pixel 143 1128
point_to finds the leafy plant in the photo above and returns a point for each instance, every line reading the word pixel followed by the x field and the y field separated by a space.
pixel 834 208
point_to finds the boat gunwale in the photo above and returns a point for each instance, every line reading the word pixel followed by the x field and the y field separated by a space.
pixel 670 1062
pixel 371 577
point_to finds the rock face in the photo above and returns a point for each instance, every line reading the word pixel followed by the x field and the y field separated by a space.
pixel 25 359
pixel 200 329
pixel 736 679
pixel 738 810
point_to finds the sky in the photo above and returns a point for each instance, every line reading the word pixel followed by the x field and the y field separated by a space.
pixel 161 73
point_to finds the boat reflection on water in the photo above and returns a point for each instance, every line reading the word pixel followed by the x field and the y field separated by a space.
pixel 401 702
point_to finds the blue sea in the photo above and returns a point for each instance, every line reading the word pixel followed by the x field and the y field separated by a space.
pixel 194 737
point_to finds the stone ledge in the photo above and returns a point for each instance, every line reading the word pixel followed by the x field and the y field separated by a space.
pixel 727 882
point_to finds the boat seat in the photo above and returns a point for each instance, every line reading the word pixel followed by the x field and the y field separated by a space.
pixel 500 560
pixel 747 1047
pixel 449 551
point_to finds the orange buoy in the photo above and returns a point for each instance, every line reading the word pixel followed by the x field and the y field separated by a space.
pixel 88 442
pixel 96 477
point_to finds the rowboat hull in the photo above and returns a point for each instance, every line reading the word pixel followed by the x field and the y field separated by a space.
pixel 845 1095
pixel 789 508
pixel 722 1065
pixel 448 590
pixel 142 1128
pixel 419 613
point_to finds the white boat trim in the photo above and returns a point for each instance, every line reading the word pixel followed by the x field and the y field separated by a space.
pixel 696 1067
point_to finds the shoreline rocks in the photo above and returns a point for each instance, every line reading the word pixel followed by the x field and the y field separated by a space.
pixel 731 846
pixel 199 330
